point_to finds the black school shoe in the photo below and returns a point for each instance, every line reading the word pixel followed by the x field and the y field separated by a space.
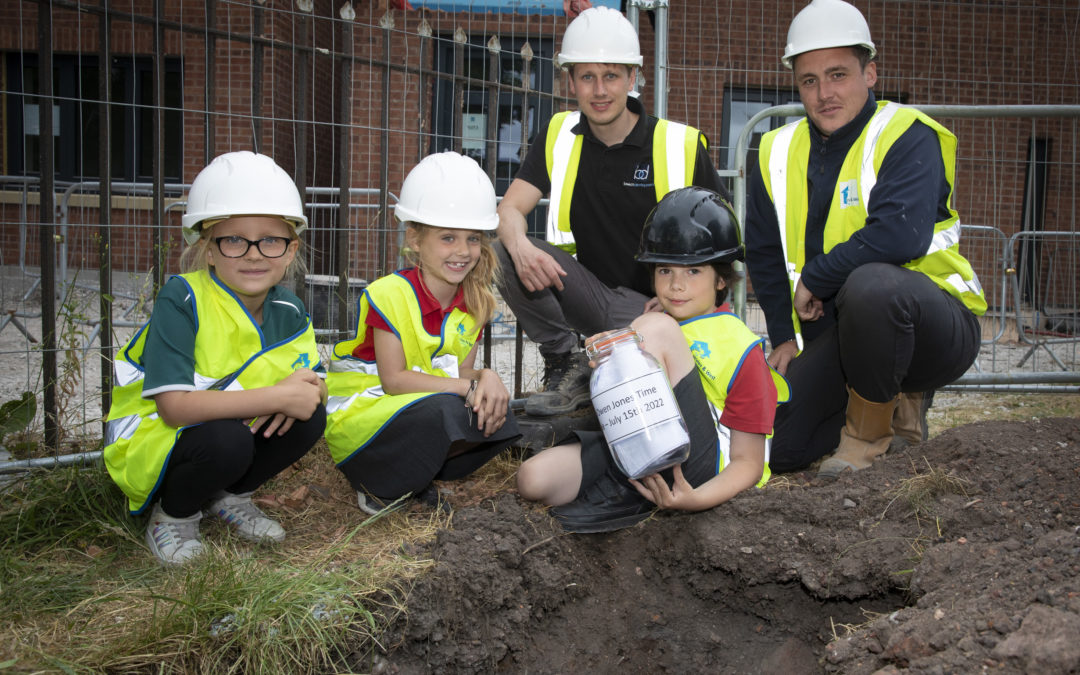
pixel 430 499
pixel 609 504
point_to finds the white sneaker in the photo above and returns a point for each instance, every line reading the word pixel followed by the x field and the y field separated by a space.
pixel 247 519
pixel 173 540
pixel 369 504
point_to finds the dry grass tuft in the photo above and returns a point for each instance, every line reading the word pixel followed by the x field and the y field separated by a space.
pixel 786 482
pixel 853 628
pixel 922 490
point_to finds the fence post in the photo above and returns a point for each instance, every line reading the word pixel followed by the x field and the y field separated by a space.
pixel 105 303
pixel 47 217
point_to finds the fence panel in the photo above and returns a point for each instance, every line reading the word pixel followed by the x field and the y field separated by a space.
pixel 347 97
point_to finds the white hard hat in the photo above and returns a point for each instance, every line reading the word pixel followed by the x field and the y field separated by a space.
pixel 824 24
pixel 600 35
pixel 448 190
pixel 242 184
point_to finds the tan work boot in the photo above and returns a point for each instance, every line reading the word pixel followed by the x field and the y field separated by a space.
pixel 909 419
pixel 866 435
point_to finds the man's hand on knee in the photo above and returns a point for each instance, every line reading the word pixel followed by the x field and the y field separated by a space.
pixel 782 355
pixel 537 269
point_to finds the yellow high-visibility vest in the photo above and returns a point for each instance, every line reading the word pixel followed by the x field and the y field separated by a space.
pixel 357 408
pixel 783 158
pixel 674 155
pixel 229 355
pixel 719 343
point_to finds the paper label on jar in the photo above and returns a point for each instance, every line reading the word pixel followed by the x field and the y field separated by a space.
pixel 635 404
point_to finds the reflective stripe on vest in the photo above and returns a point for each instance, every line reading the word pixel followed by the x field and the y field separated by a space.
pixel 784 156
pixel 358 408
pixel 778 153
pixel 229 354
pixel 674 155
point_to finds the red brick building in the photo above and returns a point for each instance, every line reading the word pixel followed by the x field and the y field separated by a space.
pixel 350 95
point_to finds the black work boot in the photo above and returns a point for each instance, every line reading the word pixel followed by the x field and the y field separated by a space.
pixel 566 386
pixel 611 503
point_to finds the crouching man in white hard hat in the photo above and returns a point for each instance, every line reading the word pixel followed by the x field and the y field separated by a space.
pixel 852 248
pixel 605 166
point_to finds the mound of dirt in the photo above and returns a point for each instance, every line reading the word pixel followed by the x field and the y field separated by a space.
pixel 961 554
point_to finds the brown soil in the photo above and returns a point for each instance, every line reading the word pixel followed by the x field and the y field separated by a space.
pixel 958 555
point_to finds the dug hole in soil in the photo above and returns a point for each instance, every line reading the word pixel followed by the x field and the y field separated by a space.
pixel 802 577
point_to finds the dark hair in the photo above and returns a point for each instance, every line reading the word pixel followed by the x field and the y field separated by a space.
pixel 864 56
pixel 724 270
pixel 861 53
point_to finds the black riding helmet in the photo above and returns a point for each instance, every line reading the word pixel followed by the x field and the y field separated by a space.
pixel 691 226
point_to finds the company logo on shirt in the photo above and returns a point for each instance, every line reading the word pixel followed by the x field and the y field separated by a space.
pixel 302 361
pixel 641 176
pixel 849 193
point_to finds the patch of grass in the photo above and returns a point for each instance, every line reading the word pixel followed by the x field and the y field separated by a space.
pixel 231 612
pixel 953 409
pixel 79 592
pixel 58 526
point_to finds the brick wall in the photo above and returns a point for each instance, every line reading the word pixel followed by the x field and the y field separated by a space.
pixel 933 52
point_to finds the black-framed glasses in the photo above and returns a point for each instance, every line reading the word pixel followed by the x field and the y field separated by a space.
pixel 237 247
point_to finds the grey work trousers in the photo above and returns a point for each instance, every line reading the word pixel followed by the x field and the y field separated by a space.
pixel 554 319
pixel 895 331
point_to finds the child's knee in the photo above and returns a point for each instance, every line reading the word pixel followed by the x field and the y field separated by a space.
pixel 657 326
pixel 531 480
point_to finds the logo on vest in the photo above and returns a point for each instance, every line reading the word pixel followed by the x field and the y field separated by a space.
pixel 301 361
pixel 641 176
pixel 849 193
pixel 463 337
pixel 700 348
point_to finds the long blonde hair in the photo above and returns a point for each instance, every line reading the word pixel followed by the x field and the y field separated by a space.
pixel 193 258
pixel 478 283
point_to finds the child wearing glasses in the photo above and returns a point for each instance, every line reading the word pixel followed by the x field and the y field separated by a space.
pixel 222 389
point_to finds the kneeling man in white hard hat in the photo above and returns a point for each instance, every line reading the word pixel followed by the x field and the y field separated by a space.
pixel 853 250
pixel 605 167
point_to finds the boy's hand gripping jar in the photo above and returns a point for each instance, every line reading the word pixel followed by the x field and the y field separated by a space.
pixel 635 405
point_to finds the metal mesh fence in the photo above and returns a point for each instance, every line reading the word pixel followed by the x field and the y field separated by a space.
pixel 348 96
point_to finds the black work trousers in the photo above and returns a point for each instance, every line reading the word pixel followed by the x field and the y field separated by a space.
pixel 224 455
pixel 895 331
